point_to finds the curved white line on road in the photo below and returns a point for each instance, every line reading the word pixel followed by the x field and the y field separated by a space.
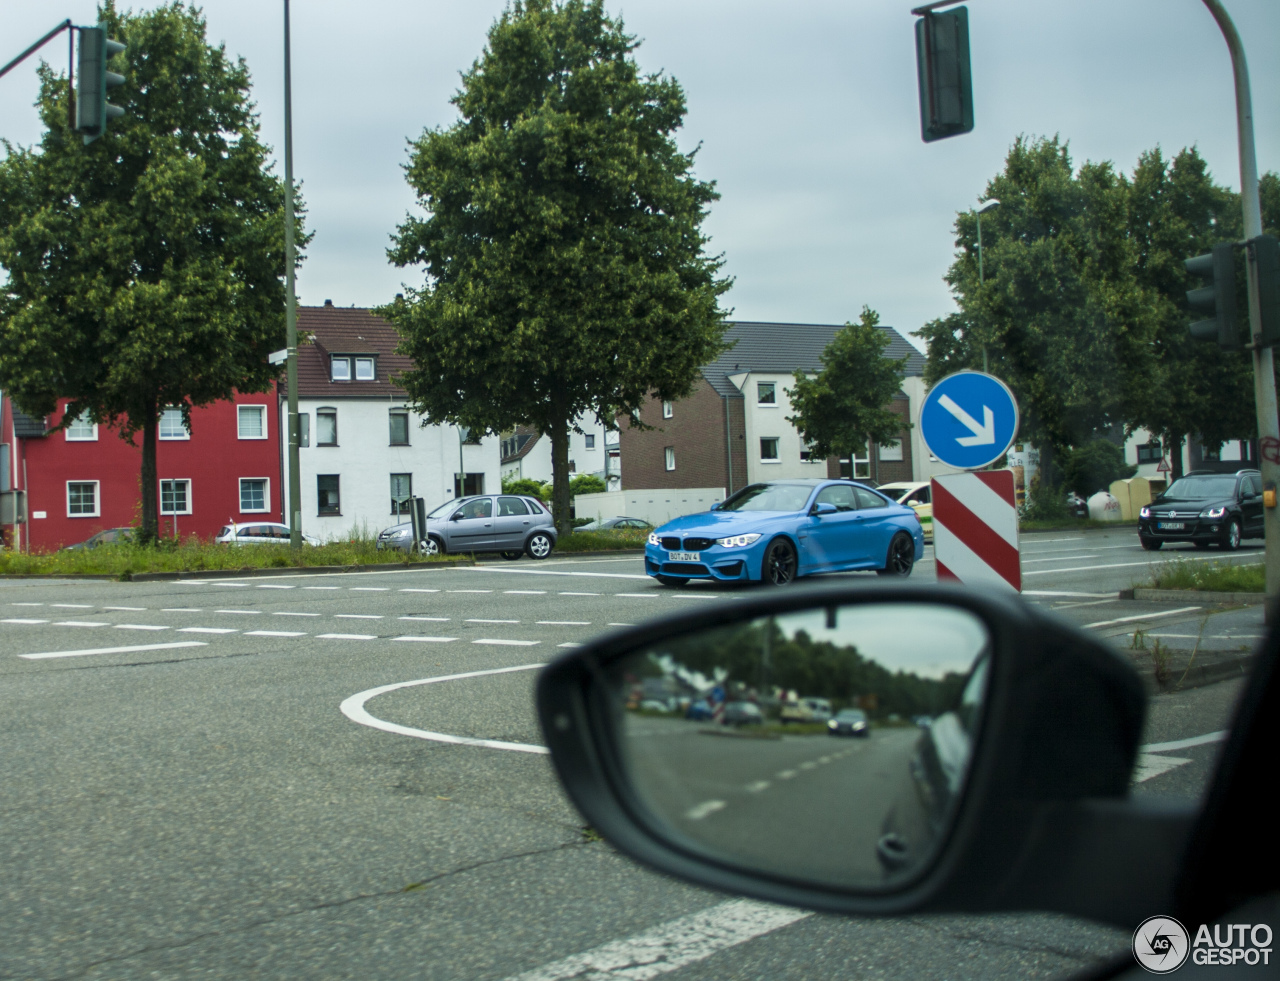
pixel 353 708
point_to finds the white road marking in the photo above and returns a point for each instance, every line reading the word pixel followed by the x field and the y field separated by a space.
pixel 127 609
pixel 370 589
pixel 429 640
pixel 579 594
pixel 1209 737
pixel 1141 616
pixel 1067 593
pixel 357 616
pixel 353 708
pixel 139 626
pixel 276 586
pixel 206 630
pixel 288 613
pixel 428 619
pixel 568 644
pixel 475 620
pixel 670 946
pixel 231 585
pixel 346 636
pixel 637 595
pixel 785 774
pixel 419 590
pixel 1211 636
pixel 705 596
pixel 81 623
pixel 549 572
pixel 525 592
pixel 620 625
pixel 808 765
pixel 1149 766
pixel 26 604
pixel 759 785
pixel 19 620
pixel 1074 558
pixel 1126 565
pixel 321 587
pixel 245 612
pixel 181 609
pixel 72 606
pixel 1072 606
pixel 565 623
pixel 115 650
pixel 1046 541
pixel 469 590
pixel 705 809
pixel 281 633
pixel 501 642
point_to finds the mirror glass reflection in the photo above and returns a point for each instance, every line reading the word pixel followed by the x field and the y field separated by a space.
pixel 828 745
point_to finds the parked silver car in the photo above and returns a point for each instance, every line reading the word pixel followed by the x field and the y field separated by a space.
pixel 503 523
pixel 258 533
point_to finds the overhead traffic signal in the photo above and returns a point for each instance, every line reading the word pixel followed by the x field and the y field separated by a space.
pixel 1265 251
pixel 1217 297
pixel 92 78
pixel 942 65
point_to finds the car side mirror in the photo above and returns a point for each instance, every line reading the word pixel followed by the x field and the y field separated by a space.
pixel 1014 797
pixel 456 516
pixel 716 506
pixel 823 508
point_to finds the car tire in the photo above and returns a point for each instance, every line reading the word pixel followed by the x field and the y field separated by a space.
pixel 1150 544
pixel 780 563
pixel 539 545
pixel 512 555
pixel 672 582
pixel 431 546
pixel 1231 536
pixel 901 558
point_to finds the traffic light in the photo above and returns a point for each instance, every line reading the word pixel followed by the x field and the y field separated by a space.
pixel 92 108
pixel 1266 258
pixel 1216 297
pixel 942 65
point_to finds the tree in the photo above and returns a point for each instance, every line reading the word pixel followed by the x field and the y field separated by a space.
pixel 526 486
pixel 586 483
pixel 563 252
pixel 1064 319
pixel 842 406
pixel 145 269
pixel 1092 467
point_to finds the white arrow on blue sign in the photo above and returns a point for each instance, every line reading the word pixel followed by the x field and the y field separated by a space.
pixel 969 419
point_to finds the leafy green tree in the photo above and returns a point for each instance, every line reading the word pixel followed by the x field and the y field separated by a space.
pixel 839 408
pixel 1064 319
pixel 586 483
pixel 526 486
pixel 563 252
pixel 1090 468
pixel 146 269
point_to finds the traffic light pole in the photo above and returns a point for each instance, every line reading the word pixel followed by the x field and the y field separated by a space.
pixel 291 304
pixel 1264 379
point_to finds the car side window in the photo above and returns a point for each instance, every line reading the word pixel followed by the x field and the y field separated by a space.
pixel 922 495
pixel 511 505
pixel 480 508
pixel 1251 486
pixel 841 495
pixel 867 499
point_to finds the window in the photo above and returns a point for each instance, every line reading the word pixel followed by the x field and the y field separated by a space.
pixel 806 454
pixel 251 421
pixel 1151 453
pixel 590 439
pixel 399 427
pixel 327 498
pixel 401 491
pixel 326 427
pixel 82 429
pixel 510 506
pixel 82 499
pixel 364 369
pixel 340 369
pixel 841 495
pixel 667 412
pixel 172 426
pixel 867 499
pixel 473 484
pixel 175 497
pixel 891 452
pixel 304 429
pixel 669 454
pixel 769 449
pixel 254 494
pixel 766 393
pixel 481 507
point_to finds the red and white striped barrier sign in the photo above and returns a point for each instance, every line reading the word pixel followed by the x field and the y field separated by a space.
pixel 975 529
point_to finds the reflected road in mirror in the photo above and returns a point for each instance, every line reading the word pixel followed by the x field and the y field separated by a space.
pixel 826 745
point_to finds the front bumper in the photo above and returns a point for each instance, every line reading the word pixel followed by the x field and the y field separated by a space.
pixel 1193 529
pixel 716 563
pixel 401 544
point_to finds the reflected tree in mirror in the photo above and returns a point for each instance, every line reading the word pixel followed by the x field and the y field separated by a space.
pixel 827 745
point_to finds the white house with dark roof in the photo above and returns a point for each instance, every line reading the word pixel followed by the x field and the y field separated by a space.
pixel 526 453
pixel 362 447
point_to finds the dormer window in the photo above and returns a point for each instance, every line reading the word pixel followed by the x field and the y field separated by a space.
pixel 364 369
pixel 345 368
pixel 340 369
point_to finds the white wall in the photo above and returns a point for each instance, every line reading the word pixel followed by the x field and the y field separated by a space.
pixel 364 461
pixel 764 421
pixel 655 506
pixel 536 464
pixel 923 464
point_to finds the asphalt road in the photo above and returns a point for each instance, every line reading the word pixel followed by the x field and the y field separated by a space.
pixel 184 796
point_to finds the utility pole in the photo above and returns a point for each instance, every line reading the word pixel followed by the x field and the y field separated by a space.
pixel 291 304
pixel 1264 384
pixel 985 206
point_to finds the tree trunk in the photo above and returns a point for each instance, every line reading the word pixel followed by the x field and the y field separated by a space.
pixel 150 511
pixel 1175 458
pixel 559 433
pixel 1048 479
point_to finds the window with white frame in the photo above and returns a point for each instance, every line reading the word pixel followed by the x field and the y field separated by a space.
pixel 667 411
pixel 172 426
pixel 340 369
pixel 590 440
pixel 365 369
pixel 304 429
pixel 399 419
pixel 82 428
pixel 327 494
pixel 401 491
pixel 175 497
pixel 669 456
pixel 769 449
pixel 766 393
pixel 891 452
pixel 326 427
pixel 82 499
pixel 251 421
pixel 255 495
pixel 806 454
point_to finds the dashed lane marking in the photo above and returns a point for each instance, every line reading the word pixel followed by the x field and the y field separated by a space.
pixel 26 604
pixel 501 642
pixel 276 586
pixel 21 620
pixel 565 623
pixel 288 613
pixel 81 623
pixel 525 592
pixel 370 589
pixel 705 809
pixel 115 650
pixel 1067 594
pixel 346 637
pixel 419 590
pixel 428 640
pixel 72 606
pixel 357 616
pixel 428 619
pixel 127 609
pixel 181 609
pixel 468 590
pixel 1209 737
pixel 568 644
pixel 321 587
pixel 206 630
pixel 551 572
pixel 243 612
pixel 759 785
pixel 579 594
pixel 476 620
pixel 139 626
pixel 1141 616
pixel 637 595
pixel 286 633
pixel 1074 558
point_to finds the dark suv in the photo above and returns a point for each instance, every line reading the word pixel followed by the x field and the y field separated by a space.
pixel 1203 508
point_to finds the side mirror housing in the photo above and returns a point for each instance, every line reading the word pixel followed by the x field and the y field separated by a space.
pixel 823 508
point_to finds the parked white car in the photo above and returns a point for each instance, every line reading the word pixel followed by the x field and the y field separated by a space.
pixel 259 533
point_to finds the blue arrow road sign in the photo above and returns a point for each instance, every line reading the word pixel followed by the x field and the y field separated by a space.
pixel 969 419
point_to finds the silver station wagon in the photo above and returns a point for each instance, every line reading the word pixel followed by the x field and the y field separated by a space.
pixel 505 523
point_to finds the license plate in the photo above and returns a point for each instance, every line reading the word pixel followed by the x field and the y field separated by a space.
pixel 1172 525
pixel 685 557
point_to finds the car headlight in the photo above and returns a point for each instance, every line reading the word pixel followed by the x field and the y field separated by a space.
pixel 402 533
pixel 737 541
pixel 654 539
pixel 832 724
pixel 1144 512
pixel 1213 512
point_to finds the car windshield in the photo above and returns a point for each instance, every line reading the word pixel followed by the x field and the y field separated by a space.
pixel 443 510
pixel 769 497
pixel 851 715
pixel 1201 488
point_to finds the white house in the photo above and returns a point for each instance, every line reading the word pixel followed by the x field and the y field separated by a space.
pixel 362 450
pixel 527 454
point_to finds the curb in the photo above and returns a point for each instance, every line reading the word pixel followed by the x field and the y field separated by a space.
pixel 1183 595
pixel 100 576
pixel 1197 676
pixel 289 571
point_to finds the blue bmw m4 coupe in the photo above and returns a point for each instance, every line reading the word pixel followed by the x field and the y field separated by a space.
pixel 781 530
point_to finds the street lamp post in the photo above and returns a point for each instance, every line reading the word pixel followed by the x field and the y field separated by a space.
pixel 291 304
pixel 986 205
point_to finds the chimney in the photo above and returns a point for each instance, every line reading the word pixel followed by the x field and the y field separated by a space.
pixel 328 303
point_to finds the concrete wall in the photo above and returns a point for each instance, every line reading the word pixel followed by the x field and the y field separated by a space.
pixel 655 506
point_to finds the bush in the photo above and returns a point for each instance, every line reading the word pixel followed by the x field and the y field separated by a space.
pixel 1090 468
pixel 528 487
pixel 1045 504
pixel 586 483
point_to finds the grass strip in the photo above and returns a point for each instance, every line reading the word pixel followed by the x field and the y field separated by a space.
pixel 1216 577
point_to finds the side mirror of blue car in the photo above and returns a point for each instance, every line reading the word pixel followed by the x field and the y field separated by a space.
pixel 823 508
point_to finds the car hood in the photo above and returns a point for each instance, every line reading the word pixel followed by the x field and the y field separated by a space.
pixel 719 524
pixel 388 532
pixel 1190 503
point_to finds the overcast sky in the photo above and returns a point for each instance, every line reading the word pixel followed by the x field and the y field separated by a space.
pixel 806 112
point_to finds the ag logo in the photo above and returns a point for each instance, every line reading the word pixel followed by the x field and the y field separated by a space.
pixel 1161 944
